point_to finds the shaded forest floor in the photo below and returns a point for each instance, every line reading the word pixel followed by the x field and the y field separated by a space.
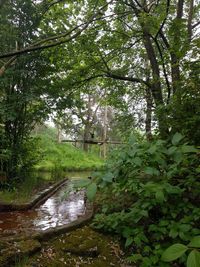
pixel 80 248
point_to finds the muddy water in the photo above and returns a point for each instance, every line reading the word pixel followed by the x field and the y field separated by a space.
pixel 63 207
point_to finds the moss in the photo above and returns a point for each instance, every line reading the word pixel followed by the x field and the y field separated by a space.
pixel 82 247
pixel 15 251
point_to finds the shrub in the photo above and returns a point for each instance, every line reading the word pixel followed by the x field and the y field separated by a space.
pixel 161 179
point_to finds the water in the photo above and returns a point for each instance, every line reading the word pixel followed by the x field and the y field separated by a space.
pixel 60 209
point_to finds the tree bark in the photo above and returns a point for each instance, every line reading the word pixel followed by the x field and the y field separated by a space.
pixel 190 16
pixel 86 135
pixel 105 131
pixel 149 103
pixel 156 85
pixel 175 68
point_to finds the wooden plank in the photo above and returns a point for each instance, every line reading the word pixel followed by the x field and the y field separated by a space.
pixel 93 142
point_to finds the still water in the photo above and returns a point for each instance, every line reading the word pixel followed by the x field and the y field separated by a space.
pixel 65 206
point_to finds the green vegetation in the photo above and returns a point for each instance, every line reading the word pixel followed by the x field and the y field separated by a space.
pixel 23 192
pixel 177 250
pixel 102 70
pixel 65 157
pixel 154 200
pixel 53 161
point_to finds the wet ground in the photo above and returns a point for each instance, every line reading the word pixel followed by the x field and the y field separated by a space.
pixel 80 248
pixel 62 208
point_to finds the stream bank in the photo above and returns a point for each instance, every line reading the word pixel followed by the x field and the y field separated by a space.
pixel 82 247
pixel 56 234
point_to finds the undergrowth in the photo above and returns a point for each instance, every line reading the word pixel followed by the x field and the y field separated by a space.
pixel 150 197
pixel 65 157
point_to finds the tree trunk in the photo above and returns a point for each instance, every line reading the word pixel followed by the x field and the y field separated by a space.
pixel 104 147
pixel 149 102
pixel 86 136
pixel 156 86
pixel 58 134
pixel 87 123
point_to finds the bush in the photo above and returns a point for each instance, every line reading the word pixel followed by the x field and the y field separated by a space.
pixel 161 179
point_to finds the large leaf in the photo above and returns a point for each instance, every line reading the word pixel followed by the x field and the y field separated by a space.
pixel 91 191
pixel 177 138
pixel 171 150
pixel 152 149
pixel 151 171
pixel 193 259
pixel 160 196
pixel 108 177
pixel 137 161
pixel 174 252
pixel 188 149
pixel 129 241
pixel 195 242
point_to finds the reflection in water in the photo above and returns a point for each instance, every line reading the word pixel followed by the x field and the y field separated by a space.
pixel 60 209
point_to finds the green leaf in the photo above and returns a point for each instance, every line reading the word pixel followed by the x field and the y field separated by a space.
pixel 188 149
pixel 193 259
pixel 91 191
pixel 160 196
pixel 174 252
pixel 108 177
pixel 171 150
pixel 129 241
pixel 137 161
pixel 134 258
pixel 195 242
pixel 173 232
pixel 177 138
pixel 152 149
pixel 178 157
pixel 151 171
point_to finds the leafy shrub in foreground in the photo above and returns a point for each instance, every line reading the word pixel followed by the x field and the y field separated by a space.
pixel 162 179
pixel 177 250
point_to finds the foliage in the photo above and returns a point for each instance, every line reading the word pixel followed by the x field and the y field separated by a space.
pixel 25 190
pixel 177 250
pixel 128 50
pixel 28 155
pixel 158 188
pixel 184 116
pixel 65 157
pixel 21 104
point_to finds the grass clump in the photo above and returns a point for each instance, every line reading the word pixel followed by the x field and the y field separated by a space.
pixel 65 157
pixel 23 192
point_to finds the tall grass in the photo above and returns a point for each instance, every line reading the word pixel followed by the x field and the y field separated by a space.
pixel 57 159
pixel 23 192
pixel 65 157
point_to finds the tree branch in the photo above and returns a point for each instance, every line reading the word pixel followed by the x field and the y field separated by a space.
pixel 7 64
pixel 164 69
pixel 164 20
pixel 126 78
pixel 36 46
pixel 195 25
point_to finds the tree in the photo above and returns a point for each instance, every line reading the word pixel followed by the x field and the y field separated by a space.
pixel 141 37
pixel 21 102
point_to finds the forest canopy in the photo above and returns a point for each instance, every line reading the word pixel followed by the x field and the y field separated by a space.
pixel 122 72
pixel 139 60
